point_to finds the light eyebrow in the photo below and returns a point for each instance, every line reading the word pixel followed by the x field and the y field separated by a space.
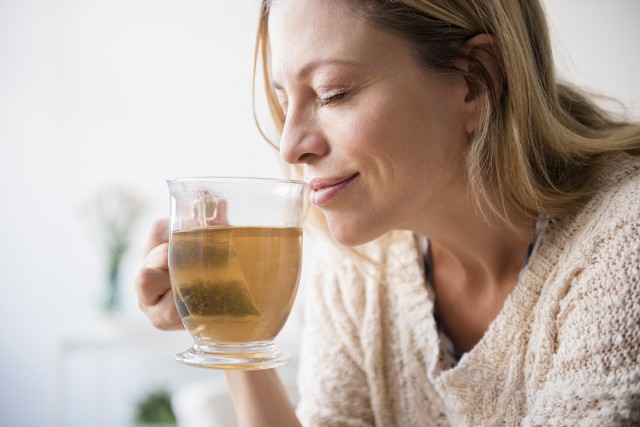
pixel 311 66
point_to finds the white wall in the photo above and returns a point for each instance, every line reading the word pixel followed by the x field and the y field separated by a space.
pixel 596 45
pixel 95 92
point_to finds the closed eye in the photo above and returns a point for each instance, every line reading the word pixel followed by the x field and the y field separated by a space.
pixel 331 98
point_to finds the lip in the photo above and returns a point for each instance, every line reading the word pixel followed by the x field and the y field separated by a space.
pixel 323 190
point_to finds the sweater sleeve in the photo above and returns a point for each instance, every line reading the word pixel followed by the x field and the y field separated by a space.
pixel 332 384
pixel 594 377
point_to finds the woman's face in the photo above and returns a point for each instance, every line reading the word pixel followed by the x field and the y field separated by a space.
pixel 380 139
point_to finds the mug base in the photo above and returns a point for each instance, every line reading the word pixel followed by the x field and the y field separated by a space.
pixel 244 356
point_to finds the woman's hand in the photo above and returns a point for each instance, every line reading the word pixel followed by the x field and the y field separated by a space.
pixel 152 282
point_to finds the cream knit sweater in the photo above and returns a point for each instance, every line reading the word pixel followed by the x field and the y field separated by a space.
pixel 563 351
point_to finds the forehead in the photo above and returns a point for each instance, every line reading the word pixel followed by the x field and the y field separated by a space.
pixel 305 31
pixel 296 15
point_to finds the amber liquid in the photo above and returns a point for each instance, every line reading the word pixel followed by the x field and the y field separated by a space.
pixel 235 284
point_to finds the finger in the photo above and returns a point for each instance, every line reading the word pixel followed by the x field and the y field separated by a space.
pixel 151 285
pixel 152 281
pixel 158 234
pixel 158 258
pixel 164 315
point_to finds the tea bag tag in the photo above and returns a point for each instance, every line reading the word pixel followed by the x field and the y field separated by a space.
pixel 210 210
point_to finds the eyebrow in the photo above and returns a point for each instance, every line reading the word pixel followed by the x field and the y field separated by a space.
pixel 307 69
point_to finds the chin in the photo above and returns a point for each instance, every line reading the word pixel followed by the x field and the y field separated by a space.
pixel 350 235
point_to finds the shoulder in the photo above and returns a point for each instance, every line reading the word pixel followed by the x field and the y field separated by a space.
pixel 590 300
pixel 610 217
pixel 593 257
pixel 617 168
pixel 597 273
pixel 603 237
pixel 617 184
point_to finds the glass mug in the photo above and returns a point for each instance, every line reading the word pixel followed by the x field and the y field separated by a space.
pixel 235 252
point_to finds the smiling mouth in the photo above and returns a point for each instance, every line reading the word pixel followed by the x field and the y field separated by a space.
pixel 323 190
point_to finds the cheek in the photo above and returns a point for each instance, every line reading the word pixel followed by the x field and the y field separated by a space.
pixel 364 131
pixel 388 140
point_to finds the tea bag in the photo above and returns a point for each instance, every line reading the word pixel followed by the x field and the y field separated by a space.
pixel 202 298
pixel 224 292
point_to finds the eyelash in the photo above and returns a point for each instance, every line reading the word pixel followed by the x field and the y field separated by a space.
pixel 331 98
pixel 323 101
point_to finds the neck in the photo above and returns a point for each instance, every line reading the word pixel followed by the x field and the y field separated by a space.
pixel 478 252
pixel 475 264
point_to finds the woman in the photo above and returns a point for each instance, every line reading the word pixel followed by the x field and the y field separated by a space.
pixel 492 216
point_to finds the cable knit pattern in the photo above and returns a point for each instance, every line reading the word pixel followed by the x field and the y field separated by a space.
pixel 563 351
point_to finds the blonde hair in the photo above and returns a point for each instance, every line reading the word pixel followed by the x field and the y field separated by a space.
pixel 540 141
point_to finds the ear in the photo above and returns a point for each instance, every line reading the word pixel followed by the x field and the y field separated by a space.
pixel 485 65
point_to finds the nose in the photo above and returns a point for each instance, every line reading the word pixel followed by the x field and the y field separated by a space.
pixel 302 138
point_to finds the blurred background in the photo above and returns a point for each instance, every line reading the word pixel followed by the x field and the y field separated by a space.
pixel 100 102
